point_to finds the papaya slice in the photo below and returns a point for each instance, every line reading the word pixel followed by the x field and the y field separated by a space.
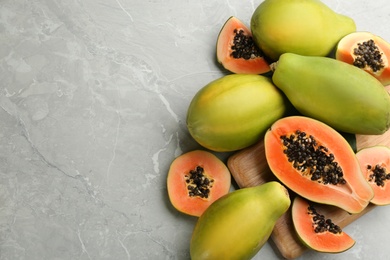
pixel 316 231
pixel 375 164
pixel 316 162
pixel 195 180
pixel 368 52
pixel 236 50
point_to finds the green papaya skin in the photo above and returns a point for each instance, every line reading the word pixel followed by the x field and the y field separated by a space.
pixel 237 225
pixel 336 93
pixel 306 27
pixel 234 111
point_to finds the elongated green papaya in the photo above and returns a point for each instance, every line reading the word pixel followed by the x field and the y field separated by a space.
pixel 234 111
pixel 237 225
pixel 336 93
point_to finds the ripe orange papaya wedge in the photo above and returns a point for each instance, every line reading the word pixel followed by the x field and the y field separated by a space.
pixel 317 163
pixel 375 164
pixel 316 231
pixel 236 50
pixel 368 52
pixel 195 180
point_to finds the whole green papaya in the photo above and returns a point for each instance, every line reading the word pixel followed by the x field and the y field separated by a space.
pixel 334 92
pixel 234 111
pixel 306 27
pixel 237 225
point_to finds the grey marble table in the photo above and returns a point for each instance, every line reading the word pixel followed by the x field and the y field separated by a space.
pixel 93 98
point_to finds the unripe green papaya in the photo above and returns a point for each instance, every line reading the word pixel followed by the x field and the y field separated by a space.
pixel 334 92
pixel 237 225
pixel 306 27
pixel 233 112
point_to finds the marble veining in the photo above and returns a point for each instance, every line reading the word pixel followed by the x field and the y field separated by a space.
pixel 93 98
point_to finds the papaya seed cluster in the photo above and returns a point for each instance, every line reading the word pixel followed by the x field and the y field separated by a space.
pixel 368 54
pixel 321 224
pixel 244 46
pixel 379 175
pixel 198 184
pixel 312 159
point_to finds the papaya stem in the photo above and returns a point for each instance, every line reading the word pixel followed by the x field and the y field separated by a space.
pixel 273 66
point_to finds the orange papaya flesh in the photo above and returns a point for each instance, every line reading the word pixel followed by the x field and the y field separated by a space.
pixel 316 162
pixel 316 231
pixel 236 50
pixel 368 52
pixel 195 180
pixel 375 164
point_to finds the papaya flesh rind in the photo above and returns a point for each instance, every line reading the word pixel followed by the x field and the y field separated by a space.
pixel 345 52
pixel 256 64
pixel 237 225
pixel 326 242
pixel 353 196
pixel 334 92
pixel 177 185
pixel 375 164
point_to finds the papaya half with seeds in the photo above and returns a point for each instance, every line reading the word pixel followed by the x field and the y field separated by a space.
pixel 237 225
pixel 236 50
pixel 368 52
pixel 195 180
pixel 317 163
pixel 334 92
pixel 234 112
pixel 316 231
pixel 306 27
pixel 375 164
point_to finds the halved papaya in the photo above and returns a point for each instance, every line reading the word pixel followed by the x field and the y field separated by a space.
pixel 368 52
pixel 236 50
pixel 316 162
pixel 316 231
pixel 195 180
pixel 375 164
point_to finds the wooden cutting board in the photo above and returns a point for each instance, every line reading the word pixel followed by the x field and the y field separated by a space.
pixel 249 168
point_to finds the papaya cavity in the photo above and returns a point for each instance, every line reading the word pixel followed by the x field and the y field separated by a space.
pixel 195 180
pixel 198 183
pixel 236 50
pixel 312 159
pixel 368 52
pixel 316 162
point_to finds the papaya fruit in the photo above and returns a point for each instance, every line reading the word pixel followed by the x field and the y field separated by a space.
pixel 316 231
pixel 334 92
pixel 195 180
pixel 237 225
pixel 305 27
pixel 375 164
pixel 368 52
pixel 316 162
pixel 236 50
pixel 234 111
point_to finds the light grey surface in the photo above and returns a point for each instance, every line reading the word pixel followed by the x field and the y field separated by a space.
pixel 93 98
